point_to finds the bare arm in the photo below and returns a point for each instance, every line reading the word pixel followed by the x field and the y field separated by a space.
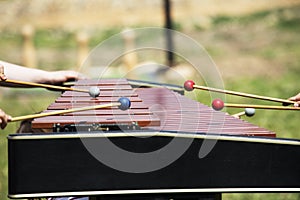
pixel 16 72
pixel 20 73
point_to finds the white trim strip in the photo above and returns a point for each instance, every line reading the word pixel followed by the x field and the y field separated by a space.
pixel 154 191
pixel 156 134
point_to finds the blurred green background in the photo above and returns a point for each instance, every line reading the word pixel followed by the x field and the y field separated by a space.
pixel 256 47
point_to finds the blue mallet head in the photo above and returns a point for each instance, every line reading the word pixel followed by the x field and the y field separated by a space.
pixel 125 103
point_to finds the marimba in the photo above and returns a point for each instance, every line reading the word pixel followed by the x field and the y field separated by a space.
pixel 165 145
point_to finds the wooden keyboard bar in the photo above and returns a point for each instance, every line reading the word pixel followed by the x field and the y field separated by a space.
pixel 101 82
pixel 105 93
pixel 63 106
pixel 141 120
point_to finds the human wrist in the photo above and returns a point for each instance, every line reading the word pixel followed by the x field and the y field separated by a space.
pixel 42 76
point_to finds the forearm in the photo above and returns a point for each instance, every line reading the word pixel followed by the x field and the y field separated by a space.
pixel 16 72
pixel 20 73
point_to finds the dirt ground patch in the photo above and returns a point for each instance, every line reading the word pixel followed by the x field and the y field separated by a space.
pixel 233 47
pixel 74 14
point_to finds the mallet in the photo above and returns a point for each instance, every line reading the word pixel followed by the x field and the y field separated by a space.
pixel 218 104
pixel 189 85
pixel 123 104
pixel 249 112
pixel 93 91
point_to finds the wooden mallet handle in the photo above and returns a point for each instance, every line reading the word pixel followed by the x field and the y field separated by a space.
pixel 123 104
pixel 190 85
pixel 46 86
pixel 232 105
pixel 218 104
pixel 60 112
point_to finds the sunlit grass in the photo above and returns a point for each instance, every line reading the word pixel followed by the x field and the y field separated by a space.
pixel 19 102
pixel 286 51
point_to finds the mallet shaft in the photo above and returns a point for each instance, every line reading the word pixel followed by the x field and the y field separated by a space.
pixel 244 94
pixel 60 112
pixel 232 105
pixel 46 86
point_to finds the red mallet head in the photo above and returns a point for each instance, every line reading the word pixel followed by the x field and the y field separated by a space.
pixel 189 85
pixel 217 104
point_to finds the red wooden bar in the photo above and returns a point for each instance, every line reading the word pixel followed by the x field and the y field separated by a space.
pixel 102 82
pixel 105 93
pixel 93 100
pixel 63 106
pixel 108 112
pixel 105 87
pixel 141 120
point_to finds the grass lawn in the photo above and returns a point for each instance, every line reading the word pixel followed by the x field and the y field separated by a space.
pixel 258 53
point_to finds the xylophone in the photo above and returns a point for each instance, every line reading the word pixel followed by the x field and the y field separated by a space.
pixel 179 113
pixel 76 155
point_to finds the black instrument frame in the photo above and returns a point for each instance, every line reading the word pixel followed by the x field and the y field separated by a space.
pixel 59 164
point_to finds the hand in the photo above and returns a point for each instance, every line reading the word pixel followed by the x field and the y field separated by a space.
pixel 20 73
pixel 296 99
pixel 59 77
pixel 2 75
pixel 4 118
